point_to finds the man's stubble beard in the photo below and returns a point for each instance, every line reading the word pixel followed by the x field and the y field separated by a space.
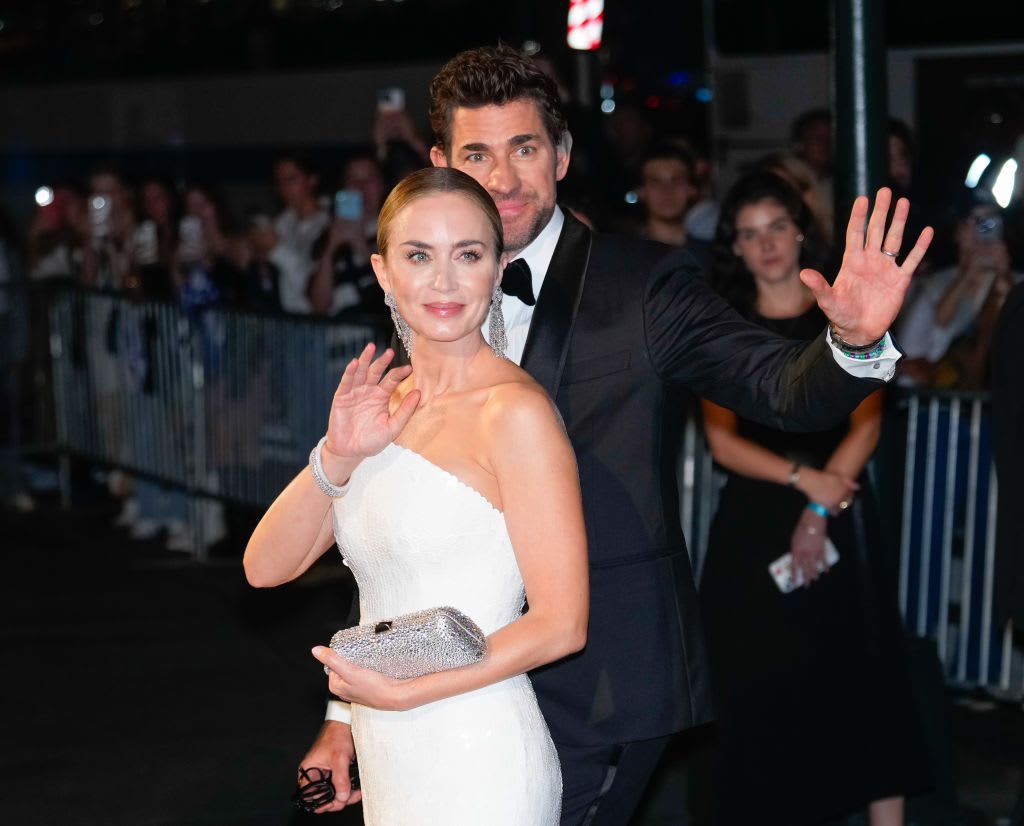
pixel 517 243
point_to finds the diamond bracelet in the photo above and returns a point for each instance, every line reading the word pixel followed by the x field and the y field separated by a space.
pixel 317 469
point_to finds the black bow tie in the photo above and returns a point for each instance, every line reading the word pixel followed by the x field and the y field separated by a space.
pixel 517 281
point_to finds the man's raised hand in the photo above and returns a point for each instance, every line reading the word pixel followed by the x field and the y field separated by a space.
pixel 868 291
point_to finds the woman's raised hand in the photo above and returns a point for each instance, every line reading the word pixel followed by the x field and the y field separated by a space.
pixel 361 423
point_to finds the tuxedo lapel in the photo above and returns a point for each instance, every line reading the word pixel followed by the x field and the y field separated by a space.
pixel 548 341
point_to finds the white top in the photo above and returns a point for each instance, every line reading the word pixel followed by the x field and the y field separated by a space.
pixel 919 335
pixel 293 256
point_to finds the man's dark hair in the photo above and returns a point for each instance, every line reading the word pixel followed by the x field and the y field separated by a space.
pixel 492 75
pixel 900 130
pixel 666 150
pixel 805 120
pixel 299 158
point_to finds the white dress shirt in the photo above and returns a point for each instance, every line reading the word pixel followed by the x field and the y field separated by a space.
pixel 518 315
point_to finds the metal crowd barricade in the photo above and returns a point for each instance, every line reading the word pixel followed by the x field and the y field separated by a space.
pixel 226 405
pixel 946 491
pixel 220 403
pixel 948 535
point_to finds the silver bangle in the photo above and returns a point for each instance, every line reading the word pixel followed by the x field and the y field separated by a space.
pixel 317 469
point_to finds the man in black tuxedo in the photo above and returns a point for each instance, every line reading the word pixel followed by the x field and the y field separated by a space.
pixel 619 330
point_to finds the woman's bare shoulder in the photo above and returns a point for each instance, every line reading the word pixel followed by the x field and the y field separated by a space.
pixel 520 406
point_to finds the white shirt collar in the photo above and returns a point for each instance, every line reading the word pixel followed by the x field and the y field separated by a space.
pixel 538 252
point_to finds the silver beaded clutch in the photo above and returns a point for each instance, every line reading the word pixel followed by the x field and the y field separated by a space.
pixel 413 644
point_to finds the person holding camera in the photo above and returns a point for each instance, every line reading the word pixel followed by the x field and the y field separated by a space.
pixel 947 327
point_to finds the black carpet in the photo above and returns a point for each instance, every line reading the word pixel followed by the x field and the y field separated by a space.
pixel 140 687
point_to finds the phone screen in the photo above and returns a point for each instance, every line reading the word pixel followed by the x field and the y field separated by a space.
pixel 348 203
pixel 989 228
pixel 390 98
pixel 100 208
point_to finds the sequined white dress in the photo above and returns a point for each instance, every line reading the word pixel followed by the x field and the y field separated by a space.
pixel 416 537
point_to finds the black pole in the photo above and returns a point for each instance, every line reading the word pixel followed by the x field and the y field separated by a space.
pixel 860 103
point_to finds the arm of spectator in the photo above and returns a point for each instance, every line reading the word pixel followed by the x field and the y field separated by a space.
pixel 342 231
pixel 740 455
pixel 952 298
pixel 827 488
pixel 974 370
pixel 856 447
pixel 981 267
pixel 397 125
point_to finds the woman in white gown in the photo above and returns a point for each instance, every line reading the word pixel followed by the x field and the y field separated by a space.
pixel 460 488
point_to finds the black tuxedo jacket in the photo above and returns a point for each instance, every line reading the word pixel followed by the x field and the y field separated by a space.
pixel 621 330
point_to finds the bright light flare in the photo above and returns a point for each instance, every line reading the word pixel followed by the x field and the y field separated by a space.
pixel 978 167
pixel 1002 189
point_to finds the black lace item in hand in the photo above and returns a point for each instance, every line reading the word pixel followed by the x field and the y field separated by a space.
pixel 316 791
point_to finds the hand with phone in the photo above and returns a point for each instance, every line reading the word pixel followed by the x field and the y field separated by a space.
pixel 807 547
pixel 348 227
pixel 392 124
pixel 190 239
pixel 983 269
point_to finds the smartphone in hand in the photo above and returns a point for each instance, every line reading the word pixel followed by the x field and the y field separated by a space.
pixel 789 580
pixel 390 99
pixel 348 203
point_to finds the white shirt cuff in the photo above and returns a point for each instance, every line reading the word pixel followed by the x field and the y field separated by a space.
pixel 339 711
pixel 881 367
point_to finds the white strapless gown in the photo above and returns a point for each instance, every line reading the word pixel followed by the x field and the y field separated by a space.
pixel 417 537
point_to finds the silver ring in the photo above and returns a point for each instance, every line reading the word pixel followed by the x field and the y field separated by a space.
pixel 844 505
pixel 890 254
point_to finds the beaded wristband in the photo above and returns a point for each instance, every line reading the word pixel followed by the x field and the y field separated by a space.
pixel 317 469
pixel 821 510
pixel 856 351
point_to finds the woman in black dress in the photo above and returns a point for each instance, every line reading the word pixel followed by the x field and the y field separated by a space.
pixel 816 716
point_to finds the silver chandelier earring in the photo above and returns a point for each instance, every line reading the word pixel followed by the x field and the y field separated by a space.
pixel 496 325
pixel 404 333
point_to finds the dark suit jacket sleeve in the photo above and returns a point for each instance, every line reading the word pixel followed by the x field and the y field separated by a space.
pixel 696 339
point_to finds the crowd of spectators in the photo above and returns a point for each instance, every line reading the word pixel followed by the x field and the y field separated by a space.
pixel 161 240
pixel 183 242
